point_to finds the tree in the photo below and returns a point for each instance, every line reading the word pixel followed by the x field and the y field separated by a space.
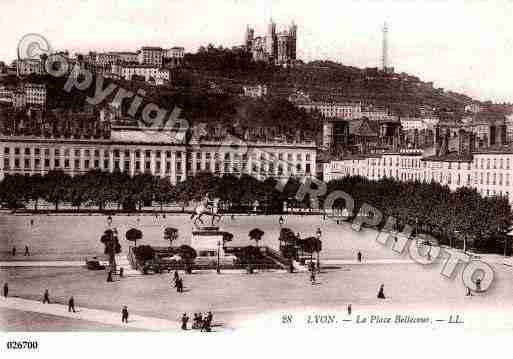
pixel 188 255
pixel 163 191
pixel 256 235
pixel 144 253
pixel 55 186
pixel 170 234
pixel 133 235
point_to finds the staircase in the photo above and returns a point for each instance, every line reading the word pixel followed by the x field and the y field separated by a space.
pixel 276 257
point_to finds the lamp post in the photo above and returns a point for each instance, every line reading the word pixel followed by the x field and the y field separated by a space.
pixel 218 257
pixel 319 234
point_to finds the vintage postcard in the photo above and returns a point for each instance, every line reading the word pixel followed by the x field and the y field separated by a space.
pixel 182 170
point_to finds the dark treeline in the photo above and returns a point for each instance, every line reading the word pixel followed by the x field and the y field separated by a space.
pixel 433 209
pixel 428 207
pixel 97 189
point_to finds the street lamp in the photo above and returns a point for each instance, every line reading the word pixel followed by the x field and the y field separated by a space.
pixel 218 258
pixel 319 234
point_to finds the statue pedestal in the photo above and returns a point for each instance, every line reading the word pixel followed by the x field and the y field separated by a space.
pixel 207 241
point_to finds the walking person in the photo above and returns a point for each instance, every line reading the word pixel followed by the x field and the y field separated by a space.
pixel 179 285
pixel 359 257
pixel 124 314
pixel 71 304
pixel 312 277
pixel 381 292
pixel 13 251
pixel 176 276
pixel 209 319
pixel 109 276
pixel 185 319
pixel 6 290
pixel 27 252
pixel 46 297
pixel 349 309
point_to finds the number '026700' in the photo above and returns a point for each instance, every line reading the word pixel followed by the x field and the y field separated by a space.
pixel 22 345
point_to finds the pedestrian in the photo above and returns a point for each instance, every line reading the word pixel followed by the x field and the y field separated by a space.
pixel 71 304
pixel 179 285
pixel 109 276
pixel 210 317
pixel 312 277
pixel 381 293
pixel 205 326
pixel 27 252
pixel 46 297
pixel 13 251
pixel 176 276
pixel 31 222
pixel 124 314
pixel 359 256
pixel 185 319
pixel 349 309
pixel 6 290
pixel 195 322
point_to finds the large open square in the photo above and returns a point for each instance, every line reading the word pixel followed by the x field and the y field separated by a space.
pixel 235 297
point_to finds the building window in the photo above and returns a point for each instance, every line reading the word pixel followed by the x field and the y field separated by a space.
pixel 27 151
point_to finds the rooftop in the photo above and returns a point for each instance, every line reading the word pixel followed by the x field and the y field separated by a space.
pixel 450 157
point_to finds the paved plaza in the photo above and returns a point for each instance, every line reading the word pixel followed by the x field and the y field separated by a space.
pixel 73 237
pixel 235 298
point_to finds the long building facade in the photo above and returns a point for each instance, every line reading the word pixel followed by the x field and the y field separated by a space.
pixel 160 153
pixel 489 171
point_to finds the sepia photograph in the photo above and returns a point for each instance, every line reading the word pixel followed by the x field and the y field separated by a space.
pixel 185 170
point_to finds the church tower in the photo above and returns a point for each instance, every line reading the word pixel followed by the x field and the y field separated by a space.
pixel 270 39
pixel 250 33
pixel 292 41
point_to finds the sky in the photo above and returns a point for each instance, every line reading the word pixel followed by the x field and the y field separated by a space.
pixel 465 46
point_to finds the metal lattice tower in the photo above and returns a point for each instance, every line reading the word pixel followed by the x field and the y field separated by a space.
pixel 384 55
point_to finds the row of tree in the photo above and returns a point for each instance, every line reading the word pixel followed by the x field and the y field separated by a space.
pixel 97 189
pixel 428 207
pixel 452 217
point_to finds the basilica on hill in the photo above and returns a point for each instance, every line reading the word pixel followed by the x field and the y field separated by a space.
pixel 277 47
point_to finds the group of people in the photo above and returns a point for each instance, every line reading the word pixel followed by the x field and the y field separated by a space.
pixel 178 282
pixel 71 301
pixel 200 321
pixel 26 254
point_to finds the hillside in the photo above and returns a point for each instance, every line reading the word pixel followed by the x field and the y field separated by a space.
pixel 323 80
